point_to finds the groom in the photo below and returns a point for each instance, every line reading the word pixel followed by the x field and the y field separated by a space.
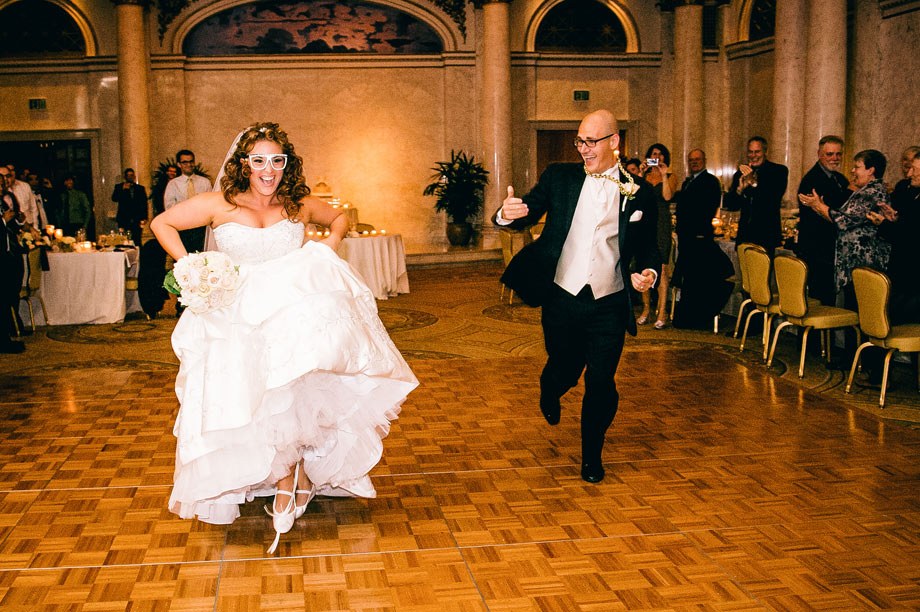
pixel 578 272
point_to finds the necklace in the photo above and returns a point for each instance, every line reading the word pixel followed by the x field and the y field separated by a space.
pixel 627 189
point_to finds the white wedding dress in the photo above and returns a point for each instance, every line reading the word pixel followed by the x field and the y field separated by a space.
pixel 298 366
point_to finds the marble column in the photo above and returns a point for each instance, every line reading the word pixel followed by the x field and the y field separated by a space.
pixel 826 70
pixel 688 84
pixel 864 129
pixel 496 112
pixel 133 94
pixel 789 49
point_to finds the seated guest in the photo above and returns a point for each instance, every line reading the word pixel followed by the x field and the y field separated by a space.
pixel 701 267
pixel 902 233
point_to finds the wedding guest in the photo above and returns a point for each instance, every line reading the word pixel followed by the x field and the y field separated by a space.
pixel 75 208
pixel 132 205
pixel 11 266
pixel 159 189
pixel 183 187
pixel 817 237
pixel 757 190
pixel 654 169
pixel 702 266
pixel 23 192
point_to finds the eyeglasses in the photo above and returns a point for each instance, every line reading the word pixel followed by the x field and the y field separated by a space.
pixel 589 142
pixel 260 162
pixel 186 161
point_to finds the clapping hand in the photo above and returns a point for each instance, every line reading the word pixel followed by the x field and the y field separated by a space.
pixel 512 207
pixel 875 218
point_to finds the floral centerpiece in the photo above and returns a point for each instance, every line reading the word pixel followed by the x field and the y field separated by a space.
pixel 29 241
pixel 204 281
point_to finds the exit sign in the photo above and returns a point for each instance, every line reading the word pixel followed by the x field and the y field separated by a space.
pixel 582 95
pixel 37 104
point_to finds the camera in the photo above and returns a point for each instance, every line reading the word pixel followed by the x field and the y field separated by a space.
pixel 651 162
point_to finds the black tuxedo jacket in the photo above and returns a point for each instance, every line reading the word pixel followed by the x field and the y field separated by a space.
pixel 697 204
pixel 817 237
pixel 759 221
pixel 530 274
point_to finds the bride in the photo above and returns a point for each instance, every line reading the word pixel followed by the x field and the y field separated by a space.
pixel 289 390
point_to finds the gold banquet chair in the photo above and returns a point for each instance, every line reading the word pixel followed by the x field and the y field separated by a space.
pixel 30 288
pixel 872 292
pixel 744 284
pixel 756 268
pixel 792 279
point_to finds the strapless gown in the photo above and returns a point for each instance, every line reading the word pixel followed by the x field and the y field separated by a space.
pixel 299 366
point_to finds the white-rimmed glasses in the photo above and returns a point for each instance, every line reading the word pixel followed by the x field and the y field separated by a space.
pixel 260 162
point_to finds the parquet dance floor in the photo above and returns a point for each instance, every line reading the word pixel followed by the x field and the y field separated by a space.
pixel 727 489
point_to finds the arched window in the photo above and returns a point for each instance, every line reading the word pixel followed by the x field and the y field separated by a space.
pixel 763 20
pixel 38 28
pixel 580 26
pixel 311 26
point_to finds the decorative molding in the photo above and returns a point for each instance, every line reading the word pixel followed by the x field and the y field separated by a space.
pixel 629 24
pixel 456 10
pixel 59 65
pixel 749 49
pixel 566 60
pixel 893 8
pixel 326 61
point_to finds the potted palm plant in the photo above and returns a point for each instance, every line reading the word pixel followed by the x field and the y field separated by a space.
pixel 458 186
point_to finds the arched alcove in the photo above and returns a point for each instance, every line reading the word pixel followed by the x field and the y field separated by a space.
pixel 43 28
pixel 311 26
pixel 582 26
pixel 758 20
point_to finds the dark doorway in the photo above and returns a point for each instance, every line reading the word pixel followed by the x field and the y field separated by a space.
pixel 554 146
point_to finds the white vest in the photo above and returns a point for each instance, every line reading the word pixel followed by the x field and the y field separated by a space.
pixel 591 252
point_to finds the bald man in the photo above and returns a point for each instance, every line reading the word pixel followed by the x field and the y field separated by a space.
pixel 578 272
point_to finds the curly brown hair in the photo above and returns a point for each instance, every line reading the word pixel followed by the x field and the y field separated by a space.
pixel 292 189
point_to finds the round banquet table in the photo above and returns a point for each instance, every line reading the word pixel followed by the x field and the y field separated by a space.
pixel 86 288
pixel 380 261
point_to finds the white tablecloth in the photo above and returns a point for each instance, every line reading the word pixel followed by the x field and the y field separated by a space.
pixel 381 262
pixel 85 288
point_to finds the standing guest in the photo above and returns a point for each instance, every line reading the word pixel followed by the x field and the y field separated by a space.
pixel 159 189
pixel 903 233
pixel 907 159
pixel 655 170
pixel 632 166
pixel 11 267
pixel 51 200
pixel 132 205
pixel 858 240
pixel 817 237
pixel 578 272
pixel 40 199
pixel 757 190
pixel 26 199
pixel 183 187
pixel 75 208
pixel 701 267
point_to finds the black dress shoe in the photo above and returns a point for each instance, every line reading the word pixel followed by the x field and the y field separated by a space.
pixel 550 408
pixel 12 347
pixel 592 472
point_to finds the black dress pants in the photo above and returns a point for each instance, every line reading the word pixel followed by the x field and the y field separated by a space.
pixel 585 335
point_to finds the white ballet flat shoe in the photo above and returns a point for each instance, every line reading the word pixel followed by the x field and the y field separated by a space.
pixel 299 510
pixel 283 521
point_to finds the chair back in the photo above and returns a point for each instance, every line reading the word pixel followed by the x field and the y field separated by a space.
pixel 742 248
pixel 872 291
pixel 758 272
pixel 513 241
pixel 34 279
pixel 791 280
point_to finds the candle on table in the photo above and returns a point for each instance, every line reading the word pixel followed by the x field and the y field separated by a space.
pixel 58 233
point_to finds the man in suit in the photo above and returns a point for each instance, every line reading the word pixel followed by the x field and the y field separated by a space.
pixel 701 267
pixel 132 205
pixel 578 272
pixel 12 221
pixel 818 238
pixel 757 191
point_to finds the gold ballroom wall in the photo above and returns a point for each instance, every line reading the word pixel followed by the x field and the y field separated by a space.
pixel 373 125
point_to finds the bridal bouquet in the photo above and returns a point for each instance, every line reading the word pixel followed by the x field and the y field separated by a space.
pixel 204 281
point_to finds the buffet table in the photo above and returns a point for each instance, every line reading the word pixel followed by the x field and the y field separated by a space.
pixel 380 261
pixel 86 288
